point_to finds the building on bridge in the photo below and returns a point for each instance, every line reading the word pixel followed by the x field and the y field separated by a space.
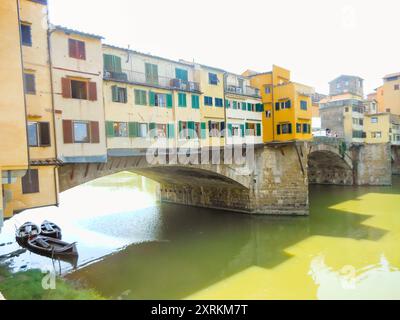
pixel 29 164
pixel 388 95
pixel 382 128
pixel 244 110
pixel 287 105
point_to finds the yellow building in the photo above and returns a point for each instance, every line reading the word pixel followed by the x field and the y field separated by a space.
pixel 382 128
pixel 77 75
pixel 287 105
pixel 13 142
pixel 388 95
pixel 149 101
pixel 38 186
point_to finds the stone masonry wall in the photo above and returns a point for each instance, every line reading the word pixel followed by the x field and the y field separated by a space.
pixel 373 164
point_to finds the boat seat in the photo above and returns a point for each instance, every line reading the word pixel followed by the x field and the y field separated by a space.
pixel 43 243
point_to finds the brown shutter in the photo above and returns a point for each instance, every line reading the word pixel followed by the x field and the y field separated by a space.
pixel 67 131
pixel 72 48
pixel 30 182
pixel 44 134
pixel 94 132
pixel 81 50
pixel 92 91
pixel 66 87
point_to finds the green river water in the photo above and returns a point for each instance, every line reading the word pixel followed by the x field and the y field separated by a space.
pixel 131 247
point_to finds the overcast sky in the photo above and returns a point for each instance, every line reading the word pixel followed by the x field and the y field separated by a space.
pixel 316 39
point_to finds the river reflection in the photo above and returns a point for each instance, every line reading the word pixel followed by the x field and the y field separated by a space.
pixel 133 248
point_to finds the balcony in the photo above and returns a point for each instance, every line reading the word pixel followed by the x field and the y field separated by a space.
pixel 162 82
pixel 247 91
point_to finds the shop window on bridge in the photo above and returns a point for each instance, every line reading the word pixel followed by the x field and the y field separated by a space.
pixel 376 135
pixel 119 94
pixel 214 128
pixel 357 134
pixel 39 134
pixel 30 83
pixel 77 49
pixel 285 128
pixel 306 128
pixel 303 105
pixel 120 129
pixel 26 34
pixel 30 182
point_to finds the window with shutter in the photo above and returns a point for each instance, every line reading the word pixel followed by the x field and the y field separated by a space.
pixel 169 101
pixel 79 89
pixel 181 74
pixel 203 130
pixel 182 100
pixel 77 49
pixel 258 129
pixel 67 131
pixel 151 73
pixel 171 130
pixel 33 139
pixel 110 129
pixel 152 98
pixel 30 182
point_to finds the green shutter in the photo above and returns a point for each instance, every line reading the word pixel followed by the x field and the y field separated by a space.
pixel 133 129
pixel 242 130
pixel 181 74
pixel 171 130
pixel 203 130
pixel 230 129
pixel 114 90
pixel 191 129
pixel 107 62
pixel 182 100
pixel 249 107
pixel 110 129
pixel 137 97
pixel 152 126
pixel 258 127
pixel 169 101
pixel 195 102
pixel 244 106
pixel 117 64
pixel 152 98
pixel 151 73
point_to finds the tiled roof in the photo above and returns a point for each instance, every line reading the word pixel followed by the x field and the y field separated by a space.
pixel 68 30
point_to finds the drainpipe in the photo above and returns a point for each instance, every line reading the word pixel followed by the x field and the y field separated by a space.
pixel 273 107
pixel 49 33
pixel 224 106
pixel 24 84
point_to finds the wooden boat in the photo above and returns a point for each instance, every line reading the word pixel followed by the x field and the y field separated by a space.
pixel 51 230
pixel 27 231
pixel 51 247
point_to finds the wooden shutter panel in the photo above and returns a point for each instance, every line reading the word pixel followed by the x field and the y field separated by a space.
pixel 110 129
pixel 81 50
pixel 114 90
pixel 171 130
pixel 30 182
pixel 258 129
pixel 44 134
pixel 169 101
pixel 72 48
pixel 152 98
pixel 66 87
pixel 242 130
pixel 94 132
pixel 92 91
pixel 230 129
pixel 133 129
pixel 67 131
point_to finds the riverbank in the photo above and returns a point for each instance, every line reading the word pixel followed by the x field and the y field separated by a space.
pixel 29 285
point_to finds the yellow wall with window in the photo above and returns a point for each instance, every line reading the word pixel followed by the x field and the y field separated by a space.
pixel 377 128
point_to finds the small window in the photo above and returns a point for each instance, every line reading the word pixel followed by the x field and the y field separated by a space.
pixel 120 129
pixel 119 94
pixel 268 113
pixel 303 105
pixel 182 100
pixel 30 182
pixel 30 83
pixel 39 134
pixel 214 129
pixel 219 102
pixel 267 90
pixel 143 130
pixel 396 87
pixel 181 74
pixel 208 101
pixel 77 49
pixel 26 34
pixel 212 79
pixel 161 100
pixel 286 128
pixel 81 132
pixel 79 90
pixel 298 128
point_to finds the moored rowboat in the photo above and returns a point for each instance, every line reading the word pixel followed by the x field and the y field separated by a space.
pixel 51 247
pixel 50 229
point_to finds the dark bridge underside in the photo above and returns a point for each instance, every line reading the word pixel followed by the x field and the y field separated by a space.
pixel 326 167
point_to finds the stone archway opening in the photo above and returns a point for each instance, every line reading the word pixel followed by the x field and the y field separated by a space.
pixel 326 167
